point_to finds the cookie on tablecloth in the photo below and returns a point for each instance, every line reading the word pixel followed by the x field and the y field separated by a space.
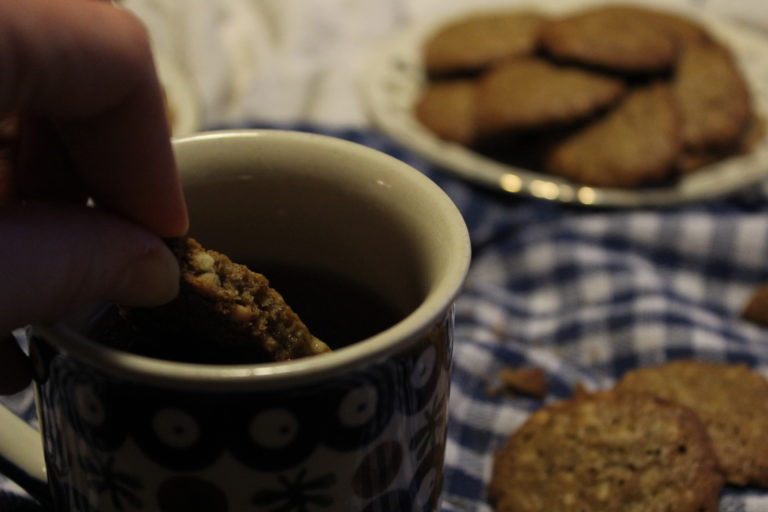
pixel 532 93
pixel 473 43
pixel 607 451
pixel 732 402
pixel 619 150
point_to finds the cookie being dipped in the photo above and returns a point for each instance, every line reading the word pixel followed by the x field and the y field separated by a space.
pixel 227 312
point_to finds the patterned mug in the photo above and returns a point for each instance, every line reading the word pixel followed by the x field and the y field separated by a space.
pixel 359 429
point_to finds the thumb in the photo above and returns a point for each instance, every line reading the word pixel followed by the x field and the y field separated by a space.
pixel 56 258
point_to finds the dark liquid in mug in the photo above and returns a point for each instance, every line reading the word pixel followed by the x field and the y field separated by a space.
pixel 335 309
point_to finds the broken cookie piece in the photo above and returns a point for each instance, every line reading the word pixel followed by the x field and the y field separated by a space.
pixel 227 311
pixel 525 381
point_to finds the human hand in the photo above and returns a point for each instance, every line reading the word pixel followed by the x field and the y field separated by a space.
pixel 81 76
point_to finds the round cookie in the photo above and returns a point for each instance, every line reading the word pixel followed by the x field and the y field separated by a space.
pixel 607 451
pixel 714 101
pixel 447 108
pixel 619 150
pixel 684 30
pixel 475 42
pixel 620 38
pixel 531 93
pixel 731 401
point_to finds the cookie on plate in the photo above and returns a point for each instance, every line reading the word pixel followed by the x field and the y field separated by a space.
pixel 227 312
pixel 619 38
pixel 731 401
pixel 607 451
pixel 715 103
pixel 532 93
pixel 619 150
pixel 447 108
pixel 685 30
pixel 475 42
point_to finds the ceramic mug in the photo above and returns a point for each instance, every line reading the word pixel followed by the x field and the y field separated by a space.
pixel 360 429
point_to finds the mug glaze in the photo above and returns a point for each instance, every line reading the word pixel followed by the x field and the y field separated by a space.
pixel 369 439
pixel 359 429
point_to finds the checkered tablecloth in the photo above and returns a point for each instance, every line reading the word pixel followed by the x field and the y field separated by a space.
pixel 584 294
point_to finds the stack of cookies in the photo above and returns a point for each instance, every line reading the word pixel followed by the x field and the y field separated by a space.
pixel 612 96
pixel 666 438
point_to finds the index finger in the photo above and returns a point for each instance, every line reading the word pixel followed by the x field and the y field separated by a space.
pixel 88 67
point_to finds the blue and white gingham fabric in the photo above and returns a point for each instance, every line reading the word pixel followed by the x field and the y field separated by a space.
pixel 584 294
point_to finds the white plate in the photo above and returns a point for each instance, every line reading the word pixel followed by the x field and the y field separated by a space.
pixel 394 78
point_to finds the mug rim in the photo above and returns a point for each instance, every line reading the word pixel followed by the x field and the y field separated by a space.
pixel 438 301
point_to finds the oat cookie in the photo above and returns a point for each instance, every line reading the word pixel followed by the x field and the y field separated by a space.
pixel 609 452
pixel 225 305
pixel 475 42
pixel 447 108
pixel 731 401
pixel 619 150
pixel 531 93
pixel 620 38
pixel 714 100
pixel 684 30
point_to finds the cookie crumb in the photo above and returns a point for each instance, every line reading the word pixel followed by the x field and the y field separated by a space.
pixel 526 381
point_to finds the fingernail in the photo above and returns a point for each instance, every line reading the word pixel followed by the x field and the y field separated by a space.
pixel 150 280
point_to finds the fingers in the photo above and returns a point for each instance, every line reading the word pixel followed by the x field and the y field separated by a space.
pixel 7 139
pixel 48 170
pixel 87 67
pixel 15 368
pixel 114 162
pixel 56 258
